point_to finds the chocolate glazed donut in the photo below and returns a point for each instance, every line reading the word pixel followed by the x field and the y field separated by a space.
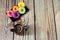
pixel 18 29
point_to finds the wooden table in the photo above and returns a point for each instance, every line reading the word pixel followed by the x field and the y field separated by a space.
pixel 43 17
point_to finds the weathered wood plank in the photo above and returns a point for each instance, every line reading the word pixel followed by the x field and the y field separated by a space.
pixel 5 33
pixel 52 25
pixel 29 17
pixel 2 20
pixel 9 34
pixel 57 16
pixel 41 19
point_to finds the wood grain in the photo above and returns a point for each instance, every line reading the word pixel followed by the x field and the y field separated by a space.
pixel 5 33
pixel 57 16
pixel 52 24
pixel 43 19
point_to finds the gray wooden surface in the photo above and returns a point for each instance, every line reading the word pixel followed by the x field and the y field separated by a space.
pixel 43 18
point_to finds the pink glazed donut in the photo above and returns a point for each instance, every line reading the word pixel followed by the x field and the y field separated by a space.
pixel 10 13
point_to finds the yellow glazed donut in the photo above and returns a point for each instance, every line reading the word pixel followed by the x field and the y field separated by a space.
pixel 21 4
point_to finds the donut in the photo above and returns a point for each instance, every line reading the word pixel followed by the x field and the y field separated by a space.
pixel 10 13
pixel 21 4
pixel 16 15
pixel 22 10
pixel 15 8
